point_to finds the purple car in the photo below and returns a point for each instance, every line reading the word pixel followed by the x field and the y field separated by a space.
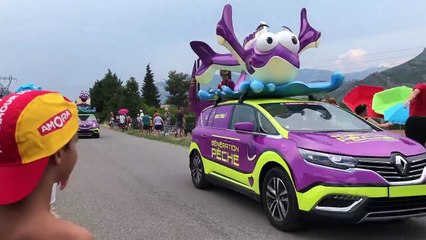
pixel 88 126
pixel 302 158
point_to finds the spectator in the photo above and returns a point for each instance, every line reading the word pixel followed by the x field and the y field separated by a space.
pixel 226 80
pixel 138 120
pixel 415 127
pixel 141 115
pixel 158 123
pixel 361 110
pixel 329 100
pixel 146 123
pixel 47 156
pixel 122 121
pixel 167 120
pixel 128 122
pixel 112 120
pixel 332 101
pixel 179 122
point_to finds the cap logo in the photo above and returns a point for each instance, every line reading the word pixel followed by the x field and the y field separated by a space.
pixel 55 123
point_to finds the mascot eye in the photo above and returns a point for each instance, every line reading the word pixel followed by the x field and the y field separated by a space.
pixel 266 42
pixel 288 40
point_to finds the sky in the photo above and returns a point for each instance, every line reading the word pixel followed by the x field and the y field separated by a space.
pixel 66 45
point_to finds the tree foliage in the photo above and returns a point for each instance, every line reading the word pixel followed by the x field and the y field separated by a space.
pixel 132 98
pixel 107 94
pixel 150 93
pixel 178 86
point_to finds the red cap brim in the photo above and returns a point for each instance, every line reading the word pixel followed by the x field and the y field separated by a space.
pixel 19 181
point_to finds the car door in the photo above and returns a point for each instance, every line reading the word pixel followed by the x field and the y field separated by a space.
pixel 247 154
pixel 201 134
pixel 222 150
pixel 252 144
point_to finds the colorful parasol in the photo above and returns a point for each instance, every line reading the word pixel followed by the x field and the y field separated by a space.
pixel 123 111
pixel 397 114
pixel 389 98
pixel 362 94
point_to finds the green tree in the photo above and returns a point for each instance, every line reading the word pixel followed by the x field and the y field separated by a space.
pixel 107 95
pixel 178 86
pixel 150 93
pixel 132 98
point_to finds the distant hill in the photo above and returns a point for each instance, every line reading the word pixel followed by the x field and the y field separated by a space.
pixel 408 74
pixel 316 75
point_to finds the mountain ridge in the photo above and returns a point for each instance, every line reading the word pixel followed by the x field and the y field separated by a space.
pixel 408 73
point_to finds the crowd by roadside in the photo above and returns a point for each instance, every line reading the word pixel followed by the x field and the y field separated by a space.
pixel 152 124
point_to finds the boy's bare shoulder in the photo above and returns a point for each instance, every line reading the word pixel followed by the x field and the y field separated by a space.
pixel 69 230
pixel 48 229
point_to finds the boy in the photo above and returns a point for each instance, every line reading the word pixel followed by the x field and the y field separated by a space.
pixel 37 149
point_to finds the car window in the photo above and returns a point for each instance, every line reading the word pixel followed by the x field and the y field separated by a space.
pixel 315 117
pixel 211 117
pixel 205 116
pixel 222 116
pixel 243 113
pixel 265 126
pixel 87 117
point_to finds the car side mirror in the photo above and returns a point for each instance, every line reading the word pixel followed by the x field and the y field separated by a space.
pixel 244 126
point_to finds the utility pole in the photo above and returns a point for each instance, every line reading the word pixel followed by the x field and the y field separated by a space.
pixel 4 89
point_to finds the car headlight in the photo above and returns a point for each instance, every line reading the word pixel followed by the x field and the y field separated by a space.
pixel 95 125
pixel 331 160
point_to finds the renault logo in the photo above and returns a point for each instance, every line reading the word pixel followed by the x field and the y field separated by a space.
pixel 401 165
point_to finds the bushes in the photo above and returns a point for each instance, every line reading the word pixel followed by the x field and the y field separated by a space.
pixel 190 122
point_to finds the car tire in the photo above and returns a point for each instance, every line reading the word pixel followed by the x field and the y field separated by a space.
pixel 197 172
pixel 97 135
pixel 279 201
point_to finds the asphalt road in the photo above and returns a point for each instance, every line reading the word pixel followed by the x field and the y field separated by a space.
pixel 126 187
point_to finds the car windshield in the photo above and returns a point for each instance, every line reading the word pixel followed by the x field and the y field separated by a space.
pixel 315 117
pixel 87 117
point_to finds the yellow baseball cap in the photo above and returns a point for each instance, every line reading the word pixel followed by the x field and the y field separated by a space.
pixel 34 125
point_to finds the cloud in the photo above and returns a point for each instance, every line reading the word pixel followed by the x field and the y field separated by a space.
pixel 353 59
pixel 352 53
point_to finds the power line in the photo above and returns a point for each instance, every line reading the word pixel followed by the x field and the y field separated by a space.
pixel 363 61
pixel 376 53
pixel 9 80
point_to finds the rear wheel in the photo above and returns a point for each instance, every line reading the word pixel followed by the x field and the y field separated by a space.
pixel 197 171
pixel 280 201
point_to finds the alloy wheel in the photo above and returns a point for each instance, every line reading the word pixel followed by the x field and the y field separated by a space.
pixel 277 199
pixel 197 169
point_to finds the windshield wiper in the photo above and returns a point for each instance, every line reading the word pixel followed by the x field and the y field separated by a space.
pixel 353 130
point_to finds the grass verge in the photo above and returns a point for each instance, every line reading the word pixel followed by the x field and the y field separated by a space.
pixel 184 141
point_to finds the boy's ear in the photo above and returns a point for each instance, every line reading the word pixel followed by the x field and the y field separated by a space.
pixel 57 157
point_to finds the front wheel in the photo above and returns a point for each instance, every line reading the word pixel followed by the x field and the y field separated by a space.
pixel 280 201
pixel 197 171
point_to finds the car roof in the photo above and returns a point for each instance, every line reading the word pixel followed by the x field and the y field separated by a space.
pixel 259 101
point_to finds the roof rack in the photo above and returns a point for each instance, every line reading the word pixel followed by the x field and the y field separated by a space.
pixel 242 98
pixel 218 100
